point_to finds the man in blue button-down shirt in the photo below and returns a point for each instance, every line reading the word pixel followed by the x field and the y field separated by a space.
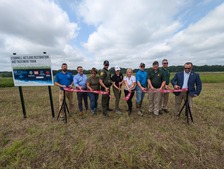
pixel 80 83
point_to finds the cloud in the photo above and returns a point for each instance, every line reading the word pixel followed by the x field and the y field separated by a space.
pixel 36 26
pixel 123 32
pixel 202 41
pixel 130 32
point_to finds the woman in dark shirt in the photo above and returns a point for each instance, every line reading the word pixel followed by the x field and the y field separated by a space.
pixel 117 80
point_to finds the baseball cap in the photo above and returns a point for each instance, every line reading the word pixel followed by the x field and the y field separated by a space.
pixel 142 64
pixel 106 62
pixel 117 68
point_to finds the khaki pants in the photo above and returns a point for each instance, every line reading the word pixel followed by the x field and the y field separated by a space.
pixel 69 96
pixel 154 102
pixel 179 99
pixel 164 100
pixel 117 94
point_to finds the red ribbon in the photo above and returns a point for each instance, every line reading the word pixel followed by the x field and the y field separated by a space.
pixel 128 96
pixel 168 90
pixel 161 91
pixel 93 91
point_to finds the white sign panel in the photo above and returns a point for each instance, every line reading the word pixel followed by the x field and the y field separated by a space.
pixel 32 70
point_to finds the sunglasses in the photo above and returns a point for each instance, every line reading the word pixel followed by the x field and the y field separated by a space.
pixel 106 65
pixel 165 63
pixel 187 68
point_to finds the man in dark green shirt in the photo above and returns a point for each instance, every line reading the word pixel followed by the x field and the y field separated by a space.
pixel 156 82
pixel 165 96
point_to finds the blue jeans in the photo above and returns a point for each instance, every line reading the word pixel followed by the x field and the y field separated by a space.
pixel 93 97
pixel 139 95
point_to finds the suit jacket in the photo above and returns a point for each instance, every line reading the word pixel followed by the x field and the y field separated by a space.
pixel 194 82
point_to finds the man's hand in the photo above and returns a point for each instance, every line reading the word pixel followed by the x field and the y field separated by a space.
pixel 79 87
pixel 63 86
pixel 167 87
pixel 70 86
pixel 143 89
pixel 176 87
pixel 107 89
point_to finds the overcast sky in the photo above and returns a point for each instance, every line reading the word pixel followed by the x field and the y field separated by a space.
pixel 125 32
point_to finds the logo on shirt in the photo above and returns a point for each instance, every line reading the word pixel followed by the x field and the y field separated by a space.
pixel 101 73
pixel 36 72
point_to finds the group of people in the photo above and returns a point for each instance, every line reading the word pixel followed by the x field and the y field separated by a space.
pixel 152 82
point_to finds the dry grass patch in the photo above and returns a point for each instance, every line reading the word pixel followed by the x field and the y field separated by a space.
pixel 119 141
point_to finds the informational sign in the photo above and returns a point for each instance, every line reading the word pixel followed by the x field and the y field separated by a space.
pixel 32 70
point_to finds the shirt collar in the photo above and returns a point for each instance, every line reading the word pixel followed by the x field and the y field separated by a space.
pixel 187 73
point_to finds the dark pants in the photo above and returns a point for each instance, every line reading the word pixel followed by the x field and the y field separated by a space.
pixel 117 94
pixel 105 101
pixel 129 101
pixel 80 96
pixel 93 97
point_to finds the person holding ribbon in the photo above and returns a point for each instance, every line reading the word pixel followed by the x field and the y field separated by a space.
pixel 80 80
pixel 117 80
pixel 186 79
pixel 141 87
pixel 165 96
pixel 93 85
pixel 156 82
pixel 64 79
pixel 105 83
pixel 129 88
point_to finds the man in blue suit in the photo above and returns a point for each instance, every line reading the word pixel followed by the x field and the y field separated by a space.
pixel 186 79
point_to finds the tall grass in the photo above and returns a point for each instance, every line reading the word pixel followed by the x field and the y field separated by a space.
pixel 119 141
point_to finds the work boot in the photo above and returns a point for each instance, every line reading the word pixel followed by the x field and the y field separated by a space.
pixel 105 114
pixel 166 110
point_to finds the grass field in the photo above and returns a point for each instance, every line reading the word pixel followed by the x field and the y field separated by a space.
pixel 40 141
pixel 206 77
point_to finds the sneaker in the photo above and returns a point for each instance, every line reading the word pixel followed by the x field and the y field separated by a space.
pixel 140 113
pixel 118 112
pixel 156 113
pixel 166 110
pixel 150 112
pixel 92 112
pixel 109 109
pixel 161 112
pixel 62 117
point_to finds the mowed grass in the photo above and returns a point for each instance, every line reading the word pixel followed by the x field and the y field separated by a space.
pixel 6 82
pixel 209 77
pixel 212 77
pixel 120 141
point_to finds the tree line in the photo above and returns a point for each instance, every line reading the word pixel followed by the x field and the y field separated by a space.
pixel 205 68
